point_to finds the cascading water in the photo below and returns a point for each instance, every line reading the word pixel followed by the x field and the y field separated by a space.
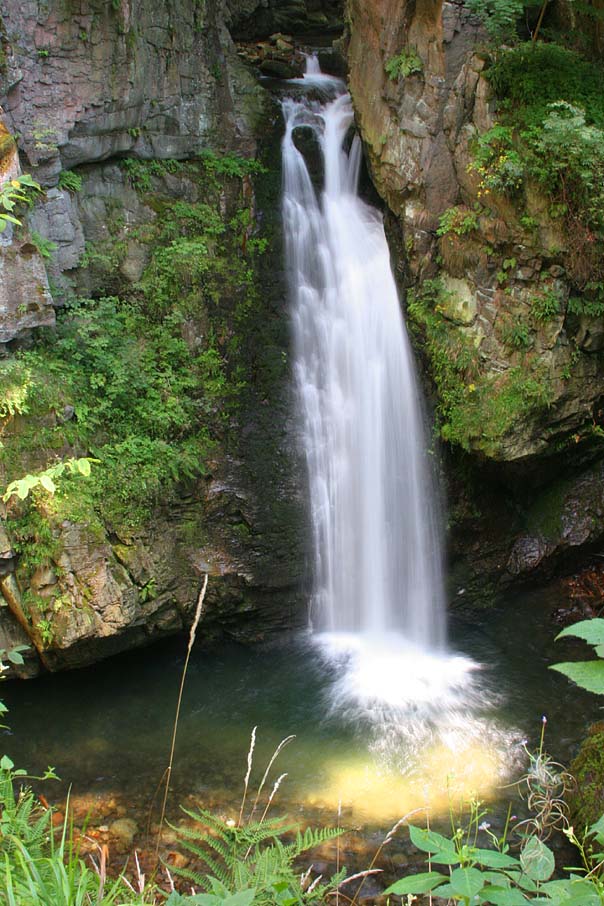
pixel 378 595
pixel 378 603
pixel 376 538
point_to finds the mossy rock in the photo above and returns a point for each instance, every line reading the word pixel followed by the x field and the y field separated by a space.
pixel 586 801
pixel 7 142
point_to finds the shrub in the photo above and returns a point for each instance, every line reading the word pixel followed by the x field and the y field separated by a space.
pixel 406 63
pixel 530 77
pixel 70 181
pixel 459 221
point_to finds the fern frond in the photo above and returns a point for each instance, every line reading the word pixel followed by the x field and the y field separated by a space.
pixel 312 838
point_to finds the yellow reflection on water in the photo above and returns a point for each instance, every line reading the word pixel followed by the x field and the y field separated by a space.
pixel 445 776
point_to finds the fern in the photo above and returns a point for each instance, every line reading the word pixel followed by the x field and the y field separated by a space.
pixel 253 856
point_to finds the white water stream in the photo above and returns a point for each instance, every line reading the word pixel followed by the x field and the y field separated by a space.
pixel 375 528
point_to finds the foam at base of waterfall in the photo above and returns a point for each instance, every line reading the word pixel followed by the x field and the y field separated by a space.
pixel 426 715
pixel 387 672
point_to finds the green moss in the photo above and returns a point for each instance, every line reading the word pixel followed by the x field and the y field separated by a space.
pixel 476 410
pixel 545 514
pixel 586 802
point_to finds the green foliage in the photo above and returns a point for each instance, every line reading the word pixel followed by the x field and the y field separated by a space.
pixel 551 133
pixel 141 172
pixel 545 306
pixel 70 181
pixel 499 17
pixel 530 77
pixel 497 162
pixel 475 410
pixel 408 62
pixel 569 161
pixel 33 539
pixel 151 380
pixel 459 221
pixel 493 875
pixel 44 246
pixel 39 867
pixel 587 674
pixel 517 335
pixel 46 480
pixel 582 305
pixel 13 193
pixel 252 857
pixel 231 166
pixel 15 388
pixel 586 798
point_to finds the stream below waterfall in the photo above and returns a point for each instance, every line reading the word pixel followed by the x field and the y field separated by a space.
pixel 107 728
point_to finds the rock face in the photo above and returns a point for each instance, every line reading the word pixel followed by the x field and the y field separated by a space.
pixel 25 300
pixel 88 81
pixel 85 86
pixel 518 376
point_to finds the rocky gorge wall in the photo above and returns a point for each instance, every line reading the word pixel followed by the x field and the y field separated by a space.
pixel 516 372
pixel 124 97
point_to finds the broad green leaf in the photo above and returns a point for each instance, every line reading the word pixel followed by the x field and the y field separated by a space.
pixel 241 898
pixel 429 841
pixel 494 859
pixel 502 896
pixel 496 878
pixel 22 489
pixel 537 859
pixel 48 484
pixel 83 466
pixel 598 829
pixel 14 657
pixel 467 882
pixel 522 880
pixel 591 631
pixel 6 764
pixel 587 674
pixel 420 883
pixel 446 857
pixel 446 890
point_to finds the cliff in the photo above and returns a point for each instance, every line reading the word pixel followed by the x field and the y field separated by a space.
pixel 500 269
pixel 146 132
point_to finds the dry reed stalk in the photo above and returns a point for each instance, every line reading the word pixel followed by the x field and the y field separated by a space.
pixel 387 839
pixel 250 759
pixel 338 851
pixel 278 782
pixel 168 772
pixel 279 748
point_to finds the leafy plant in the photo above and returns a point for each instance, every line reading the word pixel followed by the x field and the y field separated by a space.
pixel 459 221
pixel 545 305
pixel 13 193
pixel 582 305
pixel 254 857
pixel 497 162
pixel 517 335
pixel 22 487
pixel 500 17
pixel 406 63
pixel 587 674
pixel 45 247
pixel 70 181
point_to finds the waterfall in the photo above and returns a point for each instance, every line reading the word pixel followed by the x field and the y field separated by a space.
pixel 377 551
